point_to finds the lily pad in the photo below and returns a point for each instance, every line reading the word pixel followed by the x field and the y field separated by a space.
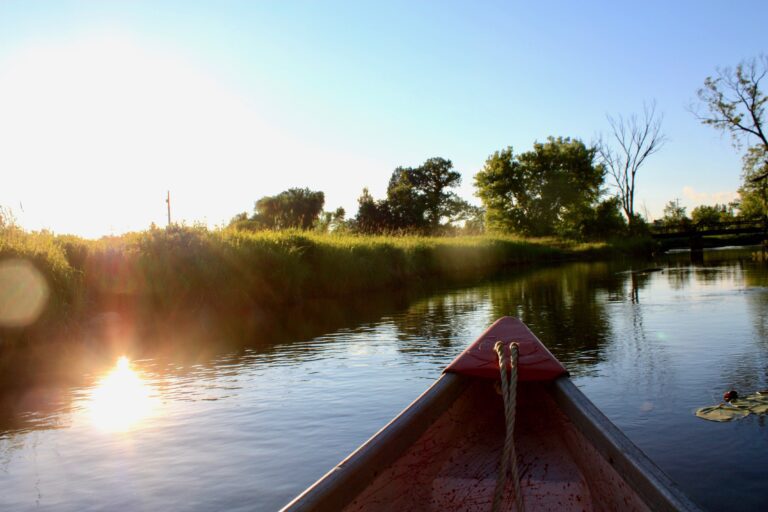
pixel 720 412
pixel 756 403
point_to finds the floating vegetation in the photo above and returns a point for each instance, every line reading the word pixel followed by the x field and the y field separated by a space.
pixel 735 407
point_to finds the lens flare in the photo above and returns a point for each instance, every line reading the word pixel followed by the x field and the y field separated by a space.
pixel 23 293
pixel 122 400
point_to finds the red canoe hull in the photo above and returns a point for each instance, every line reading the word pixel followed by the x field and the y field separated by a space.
pixel 442 452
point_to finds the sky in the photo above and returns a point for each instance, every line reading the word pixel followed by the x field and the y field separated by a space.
pixel 107 106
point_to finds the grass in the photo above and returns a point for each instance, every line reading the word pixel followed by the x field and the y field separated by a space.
pixel 180 288
pixel 164 273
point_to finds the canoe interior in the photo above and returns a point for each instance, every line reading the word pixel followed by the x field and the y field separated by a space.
pixel 453 464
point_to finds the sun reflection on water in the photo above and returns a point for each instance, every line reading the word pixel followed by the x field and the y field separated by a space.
pixel 121 400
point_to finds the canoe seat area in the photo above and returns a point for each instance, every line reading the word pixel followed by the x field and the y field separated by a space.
pixel 453 465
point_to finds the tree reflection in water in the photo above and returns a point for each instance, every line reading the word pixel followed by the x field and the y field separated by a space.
pixel 635 340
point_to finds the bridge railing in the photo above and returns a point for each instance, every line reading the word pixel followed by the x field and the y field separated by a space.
pixel 688 228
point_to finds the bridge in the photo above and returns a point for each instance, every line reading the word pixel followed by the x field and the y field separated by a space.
pixel 697 236
pixel 698 230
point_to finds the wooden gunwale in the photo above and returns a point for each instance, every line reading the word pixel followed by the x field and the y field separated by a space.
pixel 653 486
pixel 349 478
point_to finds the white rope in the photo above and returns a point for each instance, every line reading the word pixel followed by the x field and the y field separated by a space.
pixel 509 394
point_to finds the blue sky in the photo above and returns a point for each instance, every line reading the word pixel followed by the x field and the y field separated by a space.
pixel 109 104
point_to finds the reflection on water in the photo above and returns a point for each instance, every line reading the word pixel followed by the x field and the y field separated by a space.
pixel 245 426
pixel 121 399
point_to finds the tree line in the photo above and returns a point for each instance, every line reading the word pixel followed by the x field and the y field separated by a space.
pixel 557 188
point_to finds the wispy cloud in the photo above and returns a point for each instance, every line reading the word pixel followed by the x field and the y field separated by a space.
pixel 698 198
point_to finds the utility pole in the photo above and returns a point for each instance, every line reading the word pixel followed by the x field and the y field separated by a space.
pixel 168 200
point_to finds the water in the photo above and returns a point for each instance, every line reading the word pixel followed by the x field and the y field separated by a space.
pixel 248 428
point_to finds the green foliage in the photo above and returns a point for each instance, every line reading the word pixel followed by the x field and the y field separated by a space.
pixel 431 182
pixel 331 221
pixel 296 208
pixel 735 102
pixel 605 221
pixel 707 216
pixel 163 275
pixel 49 257
pixel 372 216
pixel 753 192
pixel 756 403
pixel 418 201
pixel 547 191
pixel 675 215
pixel 473 218
pixel 405 204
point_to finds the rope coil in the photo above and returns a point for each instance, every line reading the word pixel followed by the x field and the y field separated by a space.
pixel 509 394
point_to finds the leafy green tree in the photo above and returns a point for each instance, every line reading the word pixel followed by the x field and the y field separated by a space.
pixel 710 215
pixel 294 208
pixel 432 181
pixel 372 215
pixel 242 221
pixel 405 204
pixel 418 200
pixel 675 215
pixel 753 193
pixel 735 104
pixel 605 221
pixel 546 191
pixel 419 197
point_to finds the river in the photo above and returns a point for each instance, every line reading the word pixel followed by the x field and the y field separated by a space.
pixel 247 428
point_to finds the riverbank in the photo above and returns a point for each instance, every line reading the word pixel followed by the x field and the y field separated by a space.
pixel 190 287
pixel 162 289
pixel 160 272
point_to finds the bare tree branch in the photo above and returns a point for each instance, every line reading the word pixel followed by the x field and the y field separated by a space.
pixel 635 140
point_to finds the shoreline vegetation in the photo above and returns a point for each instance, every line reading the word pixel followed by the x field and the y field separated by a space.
pixel 192 292
pixel 158 276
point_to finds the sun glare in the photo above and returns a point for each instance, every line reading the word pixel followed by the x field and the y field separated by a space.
pixel 116 123
pixel 110 120
pixel 121 400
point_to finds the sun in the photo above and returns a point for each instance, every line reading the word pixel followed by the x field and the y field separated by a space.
pixel 122 400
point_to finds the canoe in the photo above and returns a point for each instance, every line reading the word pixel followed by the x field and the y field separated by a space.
pixel 443 451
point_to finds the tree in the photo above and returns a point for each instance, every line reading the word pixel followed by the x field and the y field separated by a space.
pixel 675 215
pixel 331 221
pixel 500 186
pixel 432 181
pixel 372 216
pixel 605 221
pixel 735 102
pixel 474 220
pixel 710 215
pixel 753 193
pixel 405 205
pixel 636 138
pixel 294 208
pixel 418 200
pixel 546 191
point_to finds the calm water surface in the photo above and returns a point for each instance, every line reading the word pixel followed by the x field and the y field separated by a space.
pixel 250 428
